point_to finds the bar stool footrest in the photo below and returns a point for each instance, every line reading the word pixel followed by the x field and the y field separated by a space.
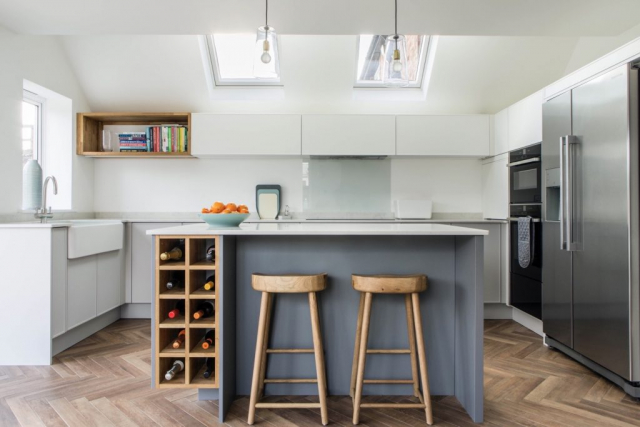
pixel 383 381
pixel 392 405
pixel 289 350
pixel 290 380
pixel 266 405
pixel 388 351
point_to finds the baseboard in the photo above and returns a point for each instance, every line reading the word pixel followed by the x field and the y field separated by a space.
pixel 497 311
pixel 135 311
pixel 77 334
pixel 528 321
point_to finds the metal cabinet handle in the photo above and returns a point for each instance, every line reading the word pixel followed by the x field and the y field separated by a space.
pixel 563 184
pixel 524 162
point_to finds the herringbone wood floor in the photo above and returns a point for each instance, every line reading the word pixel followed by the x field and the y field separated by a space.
pixel 104 381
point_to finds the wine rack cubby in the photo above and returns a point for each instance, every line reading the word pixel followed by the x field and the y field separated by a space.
pixel 191 271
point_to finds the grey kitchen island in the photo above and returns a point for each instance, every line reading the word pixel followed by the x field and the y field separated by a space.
pixel 452 306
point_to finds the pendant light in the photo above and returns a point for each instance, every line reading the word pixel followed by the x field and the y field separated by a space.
pixel 265 61
pixel 395 58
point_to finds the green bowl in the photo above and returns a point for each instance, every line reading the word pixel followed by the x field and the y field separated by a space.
pixel 224 220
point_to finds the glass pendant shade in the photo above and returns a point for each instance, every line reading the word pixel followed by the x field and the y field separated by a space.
pixel 395 73
pixel 265 54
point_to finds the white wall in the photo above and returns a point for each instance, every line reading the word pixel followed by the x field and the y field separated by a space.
pixel 187 185
pixel 39 59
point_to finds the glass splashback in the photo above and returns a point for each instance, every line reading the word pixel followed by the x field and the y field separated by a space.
pixel 346 185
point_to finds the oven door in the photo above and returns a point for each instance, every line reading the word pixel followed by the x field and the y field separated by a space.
pixel 534 270
pixel 526 182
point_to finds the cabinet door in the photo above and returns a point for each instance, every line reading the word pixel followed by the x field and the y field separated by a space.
pixel 109 281
pixel 82 285
pixel 245 134
pixel 525 122
pixel 58 281
pixel 348 135
pixel 492 260
pixel 142 260
pixel 495 187
pixel 444 135
pixel 501 132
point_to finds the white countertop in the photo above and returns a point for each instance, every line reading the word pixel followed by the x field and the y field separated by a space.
pixel 320 229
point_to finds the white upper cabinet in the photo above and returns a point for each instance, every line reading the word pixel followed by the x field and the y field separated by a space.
pixel 525 122
pixel 501 132
pixel 245 134
pixel 495 187
pixel 348 135
pixel 467 135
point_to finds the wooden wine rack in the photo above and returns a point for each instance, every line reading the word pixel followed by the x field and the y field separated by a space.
pixel 193 269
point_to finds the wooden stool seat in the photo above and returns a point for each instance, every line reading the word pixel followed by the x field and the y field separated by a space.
pixel 390 284
pixel 410 286
pixel 288 284
pixel 292 283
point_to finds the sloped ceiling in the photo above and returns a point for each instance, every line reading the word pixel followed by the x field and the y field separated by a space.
pixel 470 74
pixel 569 18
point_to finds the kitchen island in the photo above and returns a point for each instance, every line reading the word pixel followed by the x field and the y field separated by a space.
pixel 452 307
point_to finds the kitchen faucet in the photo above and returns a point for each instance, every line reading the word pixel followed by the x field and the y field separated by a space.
pixel 43 213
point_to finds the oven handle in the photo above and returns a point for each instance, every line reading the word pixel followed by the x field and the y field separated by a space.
pixel 524 162
pixel 512 218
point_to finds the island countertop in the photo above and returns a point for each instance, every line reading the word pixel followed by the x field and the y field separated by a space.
pixel 319 229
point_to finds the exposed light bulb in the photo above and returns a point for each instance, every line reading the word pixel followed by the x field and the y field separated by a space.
pixel 265 58
pixel 397 66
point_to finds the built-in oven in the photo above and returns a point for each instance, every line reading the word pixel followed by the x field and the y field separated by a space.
pixel 525 175
pixel 526 282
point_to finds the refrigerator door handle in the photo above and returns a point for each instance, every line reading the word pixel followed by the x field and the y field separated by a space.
pixel 563 190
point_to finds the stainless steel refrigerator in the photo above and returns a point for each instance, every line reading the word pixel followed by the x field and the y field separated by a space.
pixel 590 289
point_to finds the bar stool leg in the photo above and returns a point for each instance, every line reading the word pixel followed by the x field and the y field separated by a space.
pixel 319 356
pixel 267 329
pixel 257 364
pixel 366 316
pixel 422 357
pixel 412 346
pixel 356 347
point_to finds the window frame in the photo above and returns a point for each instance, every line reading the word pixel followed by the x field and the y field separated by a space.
pixel 40 102
pixel 422 65
pixel 215 69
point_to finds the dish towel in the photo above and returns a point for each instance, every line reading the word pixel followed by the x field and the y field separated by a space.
pixel 525 241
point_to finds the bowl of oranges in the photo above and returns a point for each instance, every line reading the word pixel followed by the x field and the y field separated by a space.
pixel 224 215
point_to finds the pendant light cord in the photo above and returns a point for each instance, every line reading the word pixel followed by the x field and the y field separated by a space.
pixel 396 27
pixel 266 14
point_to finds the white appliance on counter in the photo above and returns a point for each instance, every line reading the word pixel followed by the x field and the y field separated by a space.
pixel 413 209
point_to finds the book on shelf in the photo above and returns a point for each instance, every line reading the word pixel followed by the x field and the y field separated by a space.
pixel 167 138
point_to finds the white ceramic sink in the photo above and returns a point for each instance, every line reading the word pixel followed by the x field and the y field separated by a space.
pixel 92 236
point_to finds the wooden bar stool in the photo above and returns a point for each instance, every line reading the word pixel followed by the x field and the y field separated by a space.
pixel 410 286
pixel 270 285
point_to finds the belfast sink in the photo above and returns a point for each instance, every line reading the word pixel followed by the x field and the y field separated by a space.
pixel 92 236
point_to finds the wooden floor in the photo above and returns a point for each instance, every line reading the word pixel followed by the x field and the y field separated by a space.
pixel 104 381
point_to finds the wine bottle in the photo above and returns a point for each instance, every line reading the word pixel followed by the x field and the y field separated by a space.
pixel 177 367
pixel 209 284
pixel 205 309
pixel 177 343
pixel 175 254
pixel 209 369
pixel 175 283
pixel 211 253
pixel 208 339
pixel 178 310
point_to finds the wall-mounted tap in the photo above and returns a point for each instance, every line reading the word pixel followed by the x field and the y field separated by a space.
pixel 43 213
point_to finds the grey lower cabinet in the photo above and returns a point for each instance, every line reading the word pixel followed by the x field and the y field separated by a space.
pixel 141 262
pixel 82 290
pixel 493 260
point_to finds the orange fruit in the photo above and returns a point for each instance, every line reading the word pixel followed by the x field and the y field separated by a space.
pixel 243 210
pixel 226 211
pixel 205 210
pixel 232 207
pixel 241 207
pixel 217 207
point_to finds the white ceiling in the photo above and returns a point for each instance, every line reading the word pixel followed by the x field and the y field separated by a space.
pixel 571 18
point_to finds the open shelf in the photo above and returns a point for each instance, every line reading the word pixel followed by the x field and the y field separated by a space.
pixel 91 125
pixel 193 270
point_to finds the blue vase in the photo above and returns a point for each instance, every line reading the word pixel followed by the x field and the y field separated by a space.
pixel 31 185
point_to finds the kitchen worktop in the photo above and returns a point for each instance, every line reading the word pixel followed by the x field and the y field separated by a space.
pixel 321 229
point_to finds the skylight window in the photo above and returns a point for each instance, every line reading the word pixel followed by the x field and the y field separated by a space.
pixel 231 57
pixel 371 60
